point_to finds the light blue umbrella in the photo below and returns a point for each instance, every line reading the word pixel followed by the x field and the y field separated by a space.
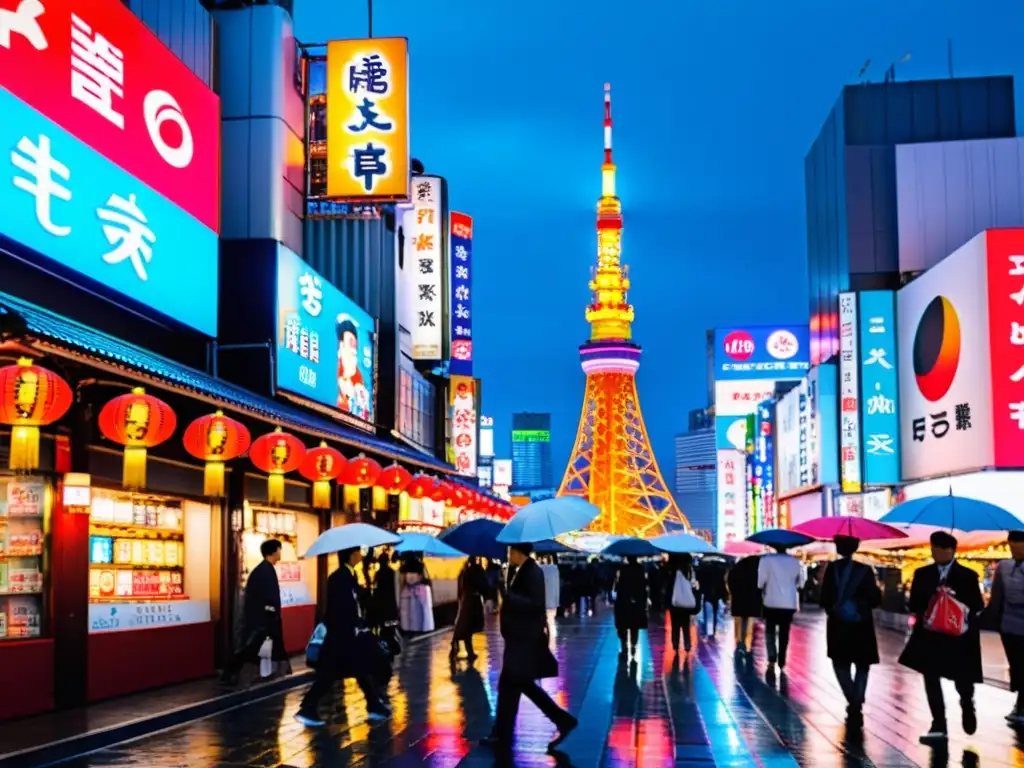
pixel 952 513
pixel 631 546
pixel 546 519
pixel 426 544
pixel 682 543
pixel 349 537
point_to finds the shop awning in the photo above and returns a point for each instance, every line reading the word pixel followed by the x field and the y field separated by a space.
pixel 54 334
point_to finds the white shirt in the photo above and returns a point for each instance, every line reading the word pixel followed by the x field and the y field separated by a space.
pixel 780 578
pixel 944 570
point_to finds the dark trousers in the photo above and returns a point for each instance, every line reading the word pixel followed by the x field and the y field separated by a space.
pixel 937 702
pixel 777 622
pixel 853 679
pixel 325 680
pixel 680 625
pixel 629 638
pixel 510 688
pixel 1014 647
pixel 711 608
pixel 466 641
pixel 249 652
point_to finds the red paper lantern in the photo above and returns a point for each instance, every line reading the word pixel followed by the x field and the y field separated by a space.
pixel 361 472
pixel 321 465
pixel 30 397
pixel 137 421
pixel 215 439
pixel 394 479
pixel 459 495
pixel 442 491
pixel 421 486
pixel 277 453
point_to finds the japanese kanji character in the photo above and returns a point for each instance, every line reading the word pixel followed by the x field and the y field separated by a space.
pixel 918 429
pixel 371 77
pixel 461 312
pixel 1017 414
pixel 940 424
pixel 128 229
pixel 461 292
pixel 883 443
pixel 291 333
pixel 1017 377
pixel 461 272
pixel 962 412
pixel 314 347
pixel 876 325
pixel 424 242
pixel 427 292
pixel 880 404
pixel 425 215
pixel 461 253
pixel 371 118
pixel 423 191
pixel 1018 296
pixel 368 163
pixel 304 343
pixel 878 356
pixel 427 266
pixel 1018 265
pixel 97 71
pixel 25 22
pixel 41 167
pixel 312 293
pixel 426 319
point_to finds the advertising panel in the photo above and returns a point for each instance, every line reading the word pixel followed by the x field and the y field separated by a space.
pixel 849 395
pixel 531 436
pixel 326 345
pixel 461 244
pixel 463 402
pixel 1006 336
pixel 945 370
pixel 83 212
pixel 732 496
pixel 424 268
pixel 798 437
pixel 368 119
pixel 870 505
pixel 503 472
pixel 879 407
pixel 97 71
pixel 764 515
pixel 761 352
pixel 486 441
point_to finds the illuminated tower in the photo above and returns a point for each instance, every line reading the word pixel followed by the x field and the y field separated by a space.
pixel 612 463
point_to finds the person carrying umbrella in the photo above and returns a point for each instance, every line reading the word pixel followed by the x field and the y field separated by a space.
pixel 682 595
pixel 745 601
pixel 849 594
pixel 630 604
pixel 711 576
pixel 780 577
pixel 942 648
pixel 528 657
pixel 1005 614
pixel 470 618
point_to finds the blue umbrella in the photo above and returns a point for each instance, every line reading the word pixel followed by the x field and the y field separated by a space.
pixel 780 537
pixel 952 513
pixel 476 538
pixel 682 543
pixel 427 544
pixel 552 547
pixel 629 546
pixel 548 518
pixel 350 536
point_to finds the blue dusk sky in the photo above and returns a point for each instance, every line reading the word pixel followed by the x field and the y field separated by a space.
pixel 715 103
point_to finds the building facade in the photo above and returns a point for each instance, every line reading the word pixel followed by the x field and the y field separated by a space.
pixel 695 482
pixel 531 452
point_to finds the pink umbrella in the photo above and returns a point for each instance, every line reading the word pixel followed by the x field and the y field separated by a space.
pixel 846 525
pixel 741 548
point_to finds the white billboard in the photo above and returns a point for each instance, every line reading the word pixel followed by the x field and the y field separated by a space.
pixel 502 472
pixel 732 497
pixel 849 395
pixel 740 398
pixel 486 442
pixel 421 287
pixel 945 367
pixel 798 453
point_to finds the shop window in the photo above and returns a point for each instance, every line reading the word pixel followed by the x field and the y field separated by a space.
pixel 296 531
pixel 25 505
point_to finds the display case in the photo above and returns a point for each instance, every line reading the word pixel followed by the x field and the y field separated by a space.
pixel 263 523
pixel 25 504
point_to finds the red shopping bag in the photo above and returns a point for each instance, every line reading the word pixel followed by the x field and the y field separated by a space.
pixel 945 614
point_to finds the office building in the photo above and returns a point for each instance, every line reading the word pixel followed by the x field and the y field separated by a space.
pixel 695 486
pixel 531 451
pixel 850 171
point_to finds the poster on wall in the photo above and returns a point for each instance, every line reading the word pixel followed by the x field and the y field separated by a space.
pixel 464 441
pixel 849 395
pixel 732 496
pixel 879 407
pixel 764 515
pixel 946 367
pixel 326 344
pixel 424 268
pixel 461 271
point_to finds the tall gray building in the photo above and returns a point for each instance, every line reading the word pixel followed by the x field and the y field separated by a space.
pixel 695 485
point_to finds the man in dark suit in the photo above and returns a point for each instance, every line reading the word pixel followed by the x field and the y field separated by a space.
pixel 937 655
pixel 528 657
pixel 261 615
pixel 349 647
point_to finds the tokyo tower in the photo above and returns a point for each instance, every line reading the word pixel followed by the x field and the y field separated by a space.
pixel 612 463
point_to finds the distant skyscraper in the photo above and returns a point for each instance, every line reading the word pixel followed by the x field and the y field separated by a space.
pixel 696 463
pixel 531 451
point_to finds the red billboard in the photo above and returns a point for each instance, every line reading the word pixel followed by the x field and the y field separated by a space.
pixel 98 72
pixel 1005 256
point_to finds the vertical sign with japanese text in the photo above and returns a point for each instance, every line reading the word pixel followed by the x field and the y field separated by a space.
pixel 732 497
pixel 425 261
pixel 764 468
pixel 464 438
pixel 368 119
pixel 849 393
pixel 1005 257
pixel 461 271
pixel 880 420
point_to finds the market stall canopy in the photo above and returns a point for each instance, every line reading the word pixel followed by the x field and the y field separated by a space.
pixel 631 546
pixel 919 535
pixel 547 519
pixel 350 536
pixel 952 513
pixel 477 538
pixel 427 545
pixel 682 543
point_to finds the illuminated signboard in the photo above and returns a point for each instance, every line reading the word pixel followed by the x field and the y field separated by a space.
pixel 424 269
pixel 464 440
pixel 849 394
pixel 761 352
pixel 325 342
pixel 880 418
pixel 531 436
pixel 461 271
pixel 368 119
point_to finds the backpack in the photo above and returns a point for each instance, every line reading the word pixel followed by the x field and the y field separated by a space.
pixel 316 642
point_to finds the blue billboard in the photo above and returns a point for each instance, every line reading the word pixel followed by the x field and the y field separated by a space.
pixel 72 206
pixel 880 394
pixel 763 460
pixel 762 352
pixel 325 342
pixel 461 244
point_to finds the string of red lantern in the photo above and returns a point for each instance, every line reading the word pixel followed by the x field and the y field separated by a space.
pixel 361 472
pixel 277 453
pixel 30 397
pixel 215 439
pixel 321 465
pixel 137 421
pixel 394 479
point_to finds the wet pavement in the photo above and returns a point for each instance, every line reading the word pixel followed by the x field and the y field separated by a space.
pixel 700 711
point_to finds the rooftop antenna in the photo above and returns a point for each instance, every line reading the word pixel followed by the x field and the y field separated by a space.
pixel 863 71
pixel 949 57
pixel 890 73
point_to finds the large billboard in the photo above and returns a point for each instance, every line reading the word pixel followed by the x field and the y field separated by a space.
pixel 761 352
pixel 879 405
pixel 849 395
pixel 114 150
pixel 423 268
pixel 734 402
pixel 1005 262
pixel 462 393
pixel 326 344
pixel 368 119
pixel 946 369
pixel 461 302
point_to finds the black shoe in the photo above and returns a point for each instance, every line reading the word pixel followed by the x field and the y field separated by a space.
pixel 937 734
pixel 566 728
pixel 969 718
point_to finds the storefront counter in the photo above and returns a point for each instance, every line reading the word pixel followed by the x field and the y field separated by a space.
pixel 298 622
pixel 27 677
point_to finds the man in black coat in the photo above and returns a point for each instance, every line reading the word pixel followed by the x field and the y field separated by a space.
pixel 349 648
pixel 261 615
pixel 849 595
pixel 745 601
pixel 937 655
pixel 528 657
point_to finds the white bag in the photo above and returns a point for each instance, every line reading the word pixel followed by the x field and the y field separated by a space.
pixel 266 658
pixel 682 593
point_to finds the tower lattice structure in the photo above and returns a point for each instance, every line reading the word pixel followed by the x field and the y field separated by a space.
pixel 612 462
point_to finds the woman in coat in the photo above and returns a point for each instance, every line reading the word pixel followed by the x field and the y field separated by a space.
pixel 630 604
pixel 417 607
pixel 470 618
pixel 682 596
pixel 849 595
pixel 744 601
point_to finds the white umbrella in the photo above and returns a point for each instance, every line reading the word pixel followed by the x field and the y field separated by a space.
pixel 349 537
pixel 427 544
pixel 547 519
pixel 682 543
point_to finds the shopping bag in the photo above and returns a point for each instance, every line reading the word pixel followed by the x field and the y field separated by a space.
pixel 266 658
pixel 682 593
pixel 945 614
pixel 315 644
